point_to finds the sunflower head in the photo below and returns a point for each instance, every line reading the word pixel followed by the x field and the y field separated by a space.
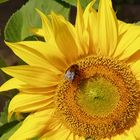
pixel 82 82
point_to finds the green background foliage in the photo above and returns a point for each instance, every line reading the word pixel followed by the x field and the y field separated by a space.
pixel 20 24
pixel 2 1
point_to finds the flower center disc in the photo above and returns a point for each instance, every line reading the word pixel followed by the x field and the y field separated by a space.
pixel 97 96
pixel 101 101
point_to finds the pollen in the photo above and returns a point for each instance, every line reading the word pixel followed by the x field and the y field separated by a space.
pixel 102 101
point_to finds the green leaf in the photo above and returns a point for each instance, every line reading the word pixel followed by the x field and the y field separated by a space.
pixel 9 133
pixel 6 127
pixel 137 23
pixel 95 6
pixel 20 24
pixel 71 2
pixel 2 1
pixel 84 3
pixel 74 2
pixel 4 114
pixel 2 63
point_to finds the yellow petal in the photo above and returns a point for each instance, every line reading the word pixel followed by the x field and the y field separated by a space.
pixel 85 35
pixel 24 102
pixel 108 31
pixel 79 18
pixel 76 137
pixel 46 26
pixel 62 133
pixel 52 126
pixel 55 57
pixel 12 84
pixel 133 57
pixel 124 136
pixel 73 136
pixel 105 139
pixel 123 27
pixel 132 52
pixel 90 16
pixel 32 125
pixel 33 53
pixel 93 33
pixel 79 26
pixel 83 29
pixel 87 12
pixel 39 90
pixel 136 129
pixel 65 36
pixel 129 43
pixel 38 31
pixel 31 75
pixel 52 53
pixel 135 67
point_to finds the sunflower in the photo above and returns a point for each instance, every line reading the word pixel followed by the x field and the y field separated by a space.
pixel 82 81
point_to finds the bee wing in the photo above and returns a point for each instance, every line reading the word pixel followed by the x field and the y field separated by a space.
pixel 69 75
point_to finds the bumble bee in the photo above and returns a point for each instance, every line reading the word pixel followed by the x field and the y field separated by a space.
pixel 71 72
